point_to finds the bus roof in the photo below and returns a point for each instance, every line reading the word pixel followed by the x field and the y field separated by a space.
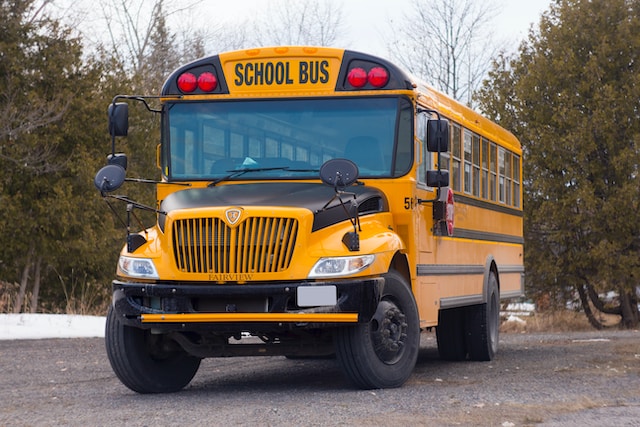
pixel 309 71
pixel 467 117
pixel 284 70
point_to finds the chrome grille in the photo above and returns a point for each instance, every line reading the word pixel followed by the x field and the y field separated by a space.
pixel 257 245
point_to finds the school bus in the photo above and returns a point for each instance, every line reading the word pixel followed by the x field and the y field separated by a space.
pixel 313 201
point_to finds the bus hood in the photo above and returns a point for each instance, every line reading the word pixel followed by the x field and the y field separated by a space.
pixel 309 196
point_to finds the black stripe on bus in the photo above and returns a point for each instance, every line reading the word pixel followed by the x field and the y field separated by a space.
pixel 459 198
pixel 449 269
pixel 486 236
pixel 463 269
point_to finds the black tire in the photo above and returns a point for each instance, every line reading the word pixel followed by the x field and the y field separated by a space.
pixel 145 362
pixel 383 352
pixel 483 324
pixel 450 334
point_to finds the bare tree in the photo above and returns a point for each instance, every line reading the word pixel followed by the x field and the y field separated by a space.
pixel 130 25
pixel 448 43
pixel 300 22
pixel 152 38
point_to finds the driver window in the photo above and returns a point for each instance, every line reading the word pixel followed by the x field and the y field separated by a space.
pixel 425 155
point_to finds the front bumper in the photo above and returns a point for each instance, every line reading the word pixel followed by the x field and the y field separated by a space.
pixel 178 306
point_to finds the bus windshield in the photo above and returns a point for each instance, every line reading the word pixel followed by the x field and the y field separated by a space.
pixel 286 138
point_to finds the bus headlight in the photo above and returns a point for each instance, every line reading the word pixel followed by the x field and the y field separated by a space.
pixel 340 266
pixel 138 267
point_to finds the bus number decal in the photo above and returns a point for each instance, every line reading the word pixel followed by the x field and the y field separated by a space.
pixel 408 203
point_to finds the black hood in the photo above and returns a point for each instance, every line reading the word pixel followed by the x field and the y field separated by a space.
pixel 288 194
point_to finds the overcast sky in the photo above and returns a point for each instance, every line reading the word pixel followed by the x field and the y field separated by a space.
pixel 368 20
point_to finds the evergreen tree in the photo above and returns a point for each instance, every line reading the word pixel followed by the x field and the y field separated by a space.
pixel 571 96
pixel 48 209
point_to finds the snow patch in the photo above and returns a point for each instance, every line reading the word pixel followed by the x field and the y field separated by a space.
pixel 38 326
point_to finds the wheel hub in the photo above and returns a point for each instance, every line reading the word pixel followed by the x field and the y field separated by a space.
pixel 389 332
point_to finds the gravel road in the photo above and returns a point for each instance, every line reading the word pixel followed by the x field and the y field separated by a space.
pixel 581 379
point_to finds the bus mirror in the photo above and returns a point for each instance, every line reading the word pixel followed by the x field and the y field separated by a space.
pixel 109 178
pixel 438 136
pixel 118 159
pixel 438 178
pixel 339 173
pixel 118 119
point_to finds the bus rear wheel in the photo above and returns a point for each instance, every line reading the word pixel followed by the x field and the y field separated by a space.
pixel 483 324
pixel 450 334
pixel 383 352
pixel 145 362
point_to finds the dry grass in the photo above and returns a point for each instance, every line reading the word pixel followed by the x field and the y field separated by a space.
pixel 8 292
pixel 87 299
pixel 555 321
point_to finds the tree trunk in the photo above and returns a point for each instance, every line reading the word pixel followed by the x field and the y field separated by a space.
pixel 24 281
pixel 36 286
pixel 629 310
pixel 598 304
pixel 584 299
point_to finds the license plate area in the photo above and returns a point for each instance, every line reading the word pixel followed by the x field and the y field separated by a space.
pixel 231 305
pixel 316 296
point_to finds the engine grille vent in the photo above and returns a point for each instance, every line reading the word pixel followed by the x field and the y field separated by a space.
pixel 257 245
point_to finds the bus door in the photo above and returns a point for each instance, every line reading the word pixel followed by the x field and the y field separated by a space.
pixel 427 297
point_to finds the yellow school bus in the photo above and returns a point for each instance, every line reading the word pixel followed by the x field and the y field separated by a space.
pixel 311 202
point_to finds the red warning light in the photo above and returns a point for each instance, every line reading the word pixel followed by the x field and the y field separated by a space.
pixel 187 82
pixel 207 82
pixel 357 77
pixel 378 77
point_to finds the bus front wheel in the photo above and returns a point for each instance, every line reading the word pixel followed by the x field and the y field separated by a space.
pixel 383 352
pixel 146 362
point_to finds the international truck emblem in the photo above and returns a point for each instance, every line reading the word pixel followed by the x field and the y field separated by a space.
pixel 232 215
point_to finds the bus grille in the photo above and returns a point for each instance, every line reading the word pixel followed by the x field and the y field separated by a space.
pixel 257 245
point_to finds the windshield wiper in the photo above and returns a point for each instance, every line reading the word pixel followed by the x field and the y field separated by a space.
pixel 242 171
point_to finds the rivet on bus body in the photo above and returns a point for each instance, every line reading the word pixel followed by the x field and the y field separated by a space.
pixel 286 289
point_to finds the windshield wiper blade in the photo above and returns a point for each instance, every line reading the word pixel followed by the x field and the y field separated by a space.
pixel 302 170
pixel 242 171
